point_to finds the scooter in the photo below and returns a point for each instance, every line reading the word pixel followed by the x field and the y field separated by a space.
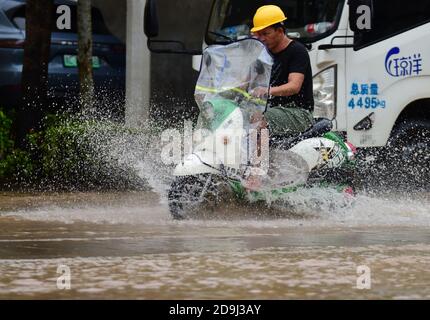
pixel 230 148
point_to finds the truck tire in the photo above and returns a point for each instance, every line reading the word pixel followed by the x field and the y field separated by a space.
pixel 402 165
pixel 409 154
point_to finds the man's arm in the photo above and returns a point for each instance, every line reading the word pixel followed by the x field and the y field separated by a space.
pixel 294 85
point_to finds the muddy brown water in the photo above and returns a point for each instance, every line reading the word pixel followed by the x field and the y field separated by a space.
pixel 126 246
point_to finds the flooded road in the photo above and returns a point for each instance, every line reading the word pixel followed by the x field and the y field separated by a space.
pixel 125 246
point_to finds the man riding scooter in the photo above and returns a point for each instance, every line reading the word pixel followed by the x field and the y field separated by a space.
pixel 225 152
pixel 290 104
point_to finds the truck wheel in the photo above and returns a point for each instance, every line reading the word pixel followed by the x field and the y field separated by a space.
pixel 409 154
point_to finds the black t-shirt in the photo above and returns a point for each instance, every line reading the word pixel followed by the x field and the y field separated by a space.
pixel 293 59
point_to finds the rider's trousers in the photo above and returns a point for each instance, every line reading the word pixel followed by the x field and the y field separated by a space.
pixel 288 120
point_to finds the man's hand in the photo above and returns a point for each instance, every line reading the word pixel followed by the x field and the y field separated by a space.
pixel 260 92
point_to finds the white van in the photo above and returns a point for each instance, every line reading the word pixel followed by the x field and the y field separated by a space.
pixel 374 84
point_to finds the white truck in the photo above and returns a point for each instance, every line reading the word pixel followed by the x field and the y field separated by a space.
pixel 373 83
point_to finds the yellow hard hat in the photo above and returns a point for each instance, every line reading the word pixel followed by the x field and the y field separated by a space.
pixel 267 16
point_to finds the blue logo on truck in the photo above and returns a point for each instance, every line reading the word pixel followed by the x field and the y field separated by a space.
pixel 403 66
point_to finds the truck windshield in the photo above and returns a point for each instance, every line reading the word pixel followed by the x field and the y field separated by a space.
pixel 308 20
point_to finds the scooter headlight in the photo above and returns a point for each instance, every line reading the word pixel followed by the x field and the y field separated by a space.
pixel 325 85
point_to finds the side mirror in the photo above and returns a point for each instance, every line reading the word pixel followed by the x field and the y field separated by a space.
pixel 361 15
pixel 151 19
pixel 151 30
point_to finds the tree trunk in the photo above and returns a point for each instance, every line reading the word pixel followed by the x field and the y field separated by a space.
pixel 35 66
pixel 85 52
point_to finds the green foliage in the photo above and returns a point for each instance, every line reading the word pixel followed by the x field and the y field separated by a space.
pixel 85 154
pixel 6 143
pixel 72 153
pixel 14 164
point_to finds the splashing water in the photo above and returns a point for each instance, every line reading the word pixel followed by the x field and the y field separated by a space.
pixel 108 154
pixel 145 208
pixel 137 154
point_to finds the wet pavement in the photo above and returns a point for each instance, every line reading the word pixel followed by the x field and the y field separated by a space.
pixel 126 246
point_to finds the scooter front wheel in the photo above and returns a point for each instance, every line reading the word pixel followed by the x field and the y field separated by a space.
pixel 188 193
